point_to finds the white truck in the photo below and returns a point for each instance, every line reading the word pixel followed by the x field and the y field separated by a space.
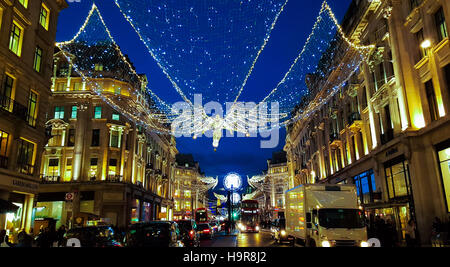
pixel 324 215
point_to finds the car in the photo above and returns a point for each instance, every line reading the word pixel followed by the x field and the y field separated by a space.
pixel 190 236
pixel 205 230
pixel 279 231
pixel 154 234
pixel 91 236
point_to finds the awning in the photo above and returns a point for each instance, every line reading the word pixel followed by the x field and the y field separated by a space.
pixel 7 207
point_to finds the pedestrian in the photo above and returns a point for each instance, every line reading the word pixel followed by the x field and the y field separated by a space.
pixel 410 234
pixel 390 234
pixel 4 240
pixel 436 230
pixel 60 235
pixel 25 241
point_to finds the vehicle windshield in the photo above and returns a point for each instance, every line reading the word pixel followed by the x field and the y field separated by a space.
pixel 341 218
pixel 249 219
pixel 202 227
pixel 201 216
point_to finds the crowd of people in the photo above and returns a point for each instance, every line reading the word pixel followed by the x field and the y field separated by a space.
pixel 46 238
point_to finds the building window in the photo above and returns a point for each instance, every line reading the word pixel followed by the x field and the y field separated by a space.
pixel 414 4
pixel 441 25
pixel 15 39
pixel 44 16
pixel 444 163
pixel 115 139
pixel 59 113
pixel 25 159
pixel 95 138
pixel 432 102
pixel 4 143
pixel 420 39
pixel 77 86
pixel 98 67
pixel 98 112
pixel 397 179
pixel 68 170
pixel 53 168
pixel 112 171
pixel 187 194
pixel 71 138
pixel 74 113
pixel 24 3
pixel 37 59
pixel 32 109
pixel 6 96
pixel 116 117
pixel 93 168
pixel 365 184
pixel 61 86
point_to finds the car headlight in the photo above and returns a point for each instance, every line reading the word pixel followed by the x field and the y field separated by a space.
pixel 326 244
pixel 283 233
pixel 364 244
pixel 257 228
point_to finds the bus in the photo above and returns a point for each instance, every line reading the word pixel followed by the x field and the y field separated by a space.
pixel 249 216
pixel 203 215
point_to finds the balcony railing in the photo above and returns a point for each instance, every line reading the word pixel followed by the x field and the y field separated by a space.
pixel 334 137
pixel 25 168
pixel 3 162
pixel 20 111
pixel 51 179
pixel 115 178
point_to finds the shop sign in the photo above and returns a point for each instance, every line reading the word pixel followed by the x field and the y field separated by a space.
pixel 392 152
pixel 23 184
pixel 69 196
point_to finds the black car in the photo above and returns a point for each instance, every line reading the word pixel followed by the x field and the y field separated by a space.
pixel 92 237
pixel 154 234
pixel 188 228
pixel 205 230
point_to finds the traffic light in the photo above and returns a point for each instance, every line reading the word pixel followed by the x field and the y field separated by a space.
pixel 235 215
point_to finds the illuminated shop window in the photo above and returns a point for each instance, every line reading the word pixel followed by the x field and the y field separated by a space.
pixel 68 170
pixel 444 162
pixel 398 181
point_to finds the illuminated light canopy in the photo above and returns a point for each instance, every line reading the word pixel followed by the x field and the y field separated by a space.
pixel 236 198
pixel 211 48
pixel 232 182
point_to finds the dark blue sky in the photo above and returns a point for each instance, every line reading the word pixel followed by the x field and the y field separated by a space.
pixel 241 155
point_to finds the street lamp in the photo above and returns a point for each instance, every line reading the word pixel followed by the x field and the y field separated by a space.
pixel 426 44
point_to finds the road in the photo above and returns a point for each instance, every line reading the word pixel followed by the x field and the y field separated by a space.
pixel 243 240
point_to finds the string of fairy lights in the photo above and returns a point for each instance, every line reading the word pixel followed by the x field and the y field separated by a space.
pixel 211 48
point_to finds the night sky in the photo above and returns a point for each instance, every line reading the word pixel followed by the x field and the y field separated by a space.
pixel 240 155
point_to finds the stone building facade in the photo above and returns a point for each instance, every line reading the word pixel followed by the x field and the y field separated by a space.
pixel 27 37
pixel 387 130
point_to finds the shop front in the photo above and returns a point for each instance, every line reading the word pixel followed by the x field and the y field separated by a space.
pixel 443 152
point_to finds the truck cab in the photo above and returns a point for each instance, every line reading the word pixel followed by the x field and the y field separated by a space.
pixel 322 215
pixel 336 227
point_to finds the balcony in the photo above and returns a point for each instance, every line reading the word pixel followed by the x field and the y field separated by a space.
pixel 20 111
pixel 26 169
pixel 354 120
pixel 114 178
